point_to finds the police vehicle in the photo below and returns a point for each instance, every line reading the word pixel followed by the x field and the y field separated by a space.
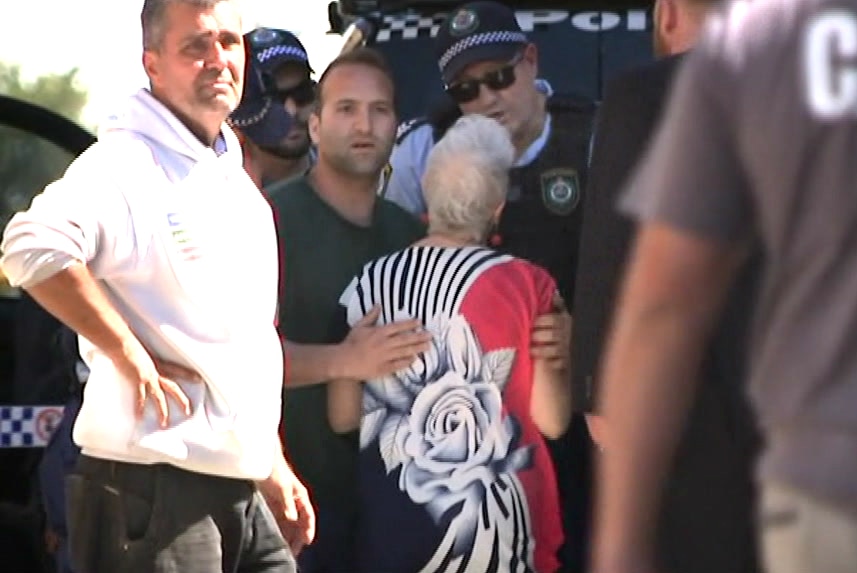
pixel 33 383
pixel 582 43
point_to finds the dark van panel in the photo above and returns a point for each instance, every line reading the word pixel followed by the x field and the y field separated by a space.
pixel 581 44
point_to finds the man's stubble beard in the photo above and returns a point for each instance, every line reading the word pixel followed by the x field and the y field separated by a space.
pixel 289 153
pixel 349 166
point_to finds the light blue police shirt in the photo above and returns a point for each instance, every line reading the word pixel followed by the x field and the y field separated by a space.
pixel 409 158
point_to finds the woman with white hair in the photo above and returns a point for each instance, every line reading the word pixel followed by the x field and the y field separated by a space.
pixel 454 471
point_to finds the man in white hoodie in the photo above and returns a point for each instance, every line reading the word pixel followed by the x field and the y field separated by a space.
pixel 178 427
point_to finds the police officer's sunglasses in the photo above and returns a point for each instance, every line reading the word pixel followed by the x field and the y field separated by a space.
pixel 496 80
pixel 302 94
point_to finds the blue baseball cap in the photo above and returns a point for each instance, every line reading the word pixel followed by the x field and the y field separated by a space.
pixel 261 118
pixel 477 32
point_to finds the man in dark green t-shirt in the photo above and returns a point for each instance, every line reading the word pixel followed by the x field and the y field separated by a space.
pixel 331 223
pixel 323 252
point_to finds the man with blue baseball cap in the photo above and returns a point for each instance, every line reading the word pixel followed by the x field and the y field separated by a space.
pixel 489 66
pixel 275 107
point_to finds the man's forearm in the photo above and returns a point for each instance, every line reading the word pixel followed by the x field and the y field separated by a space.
pixel 550 400
pixel 675 287
pixel 644 406
pixel 309 364
pixel 76 299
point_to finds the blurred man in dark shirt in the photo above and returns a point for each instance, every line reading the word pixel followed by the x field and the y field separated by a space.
pixel 710 494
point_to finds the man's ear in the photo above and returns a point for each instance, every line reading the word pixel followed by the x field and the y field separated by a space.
pixel 667 18
pixel 150 65
pixel 498 212
pixel 313 125
pixel 531 56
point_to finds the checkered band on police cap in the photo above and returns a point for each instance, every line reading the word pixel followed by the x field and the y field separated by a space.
pixel 474 32
pixel 284 52
pixel 272 47
pixel 476 40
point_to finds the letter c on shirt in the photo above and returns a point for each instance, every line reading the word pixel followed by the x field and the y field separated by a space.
pixel 830 64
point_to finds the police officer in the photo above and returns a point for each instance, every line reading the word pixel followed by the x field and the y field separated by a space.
pixel 489 66
pixel 272 116
pixel 61 453
pixel 260 124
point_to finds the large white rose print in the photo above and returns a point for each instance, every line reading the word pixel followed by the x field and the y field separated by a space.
pixel 441 422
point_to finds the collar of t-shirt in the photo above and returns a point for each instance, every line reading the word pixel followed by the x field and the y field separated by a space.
pixel 536 147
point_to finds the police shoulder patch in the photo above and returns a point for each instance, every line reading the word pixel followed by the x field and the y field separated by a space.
pixel 561 190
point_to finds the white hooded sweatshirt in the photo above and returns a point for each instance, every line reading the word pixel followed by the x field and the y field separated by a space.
pixel 184 245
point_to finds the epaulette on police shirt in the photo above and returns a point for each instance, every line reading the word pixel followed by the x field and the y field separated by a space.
pixel 442 114
pixel 408 126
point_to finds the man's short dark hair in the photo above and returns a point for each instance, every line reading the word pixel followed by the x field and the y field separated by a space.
pixel 154 15
pixel 362 56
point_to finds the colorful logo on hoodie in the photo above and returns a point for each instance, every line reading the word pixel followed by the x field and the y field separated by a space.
pixel 188 248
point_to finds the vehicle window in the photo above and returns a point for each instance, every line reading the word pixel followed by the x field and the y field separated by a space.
pixel 27 164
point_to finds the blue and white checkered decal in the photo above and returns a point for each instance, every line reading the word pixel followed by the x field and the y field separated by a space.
pixel 28 426
pixel 275 51
pixel 408 26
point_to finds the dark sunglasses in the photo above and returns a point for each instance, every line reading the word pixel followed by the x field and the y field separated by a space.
pixel 497 80
pixel 302 94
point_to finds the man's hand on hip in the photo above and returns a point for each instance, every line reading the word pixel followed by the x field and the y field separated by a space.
pixel 155 380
